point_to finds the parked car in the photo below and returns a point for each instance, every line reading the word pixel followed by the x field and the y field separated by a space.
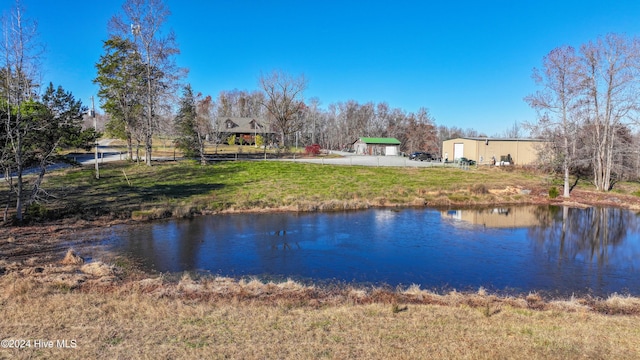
pixel 465 161
pixel 422 156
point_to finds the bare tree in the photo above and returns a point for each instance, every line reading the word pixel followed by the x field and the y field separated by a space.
pixel 284 101
pixel 397 125
pixel 351 124
pixel 314 117
pixel 558 103
pixel 204 123
pixel 589 104
pixel 144 21
pixel 20 72
pixel 332 136
pixel 421 133
pixel 382 117
pixel 218 130
pixel 345 122
pixel 611 69
pixel 514 132
pixel 236 103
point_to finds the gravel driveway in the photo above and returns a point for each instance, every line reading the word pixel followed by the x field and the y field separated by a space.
pixel 366 160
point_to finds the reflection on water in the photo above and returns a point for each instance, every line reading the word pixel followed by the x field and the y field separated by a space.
pixel 521 249
pixel 501 217
pixel 593 235
pixel 590 234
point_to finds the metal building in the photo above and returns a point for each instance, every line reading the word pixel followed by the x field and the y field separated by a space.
pixel 377 146
pixel 488 151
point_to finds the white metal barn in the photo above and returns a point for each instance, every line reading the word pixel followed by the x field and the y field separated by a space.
pixel 377 146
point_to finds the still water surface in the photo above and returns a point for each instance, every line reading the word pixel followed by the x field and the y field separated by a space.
pixel 554 250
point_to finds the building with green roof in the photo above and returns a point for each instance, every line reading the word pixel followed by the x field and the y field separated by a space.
pixel 377 146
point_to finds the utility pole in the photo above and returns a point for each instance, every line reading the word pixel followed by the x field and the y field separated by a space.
pixel 95 127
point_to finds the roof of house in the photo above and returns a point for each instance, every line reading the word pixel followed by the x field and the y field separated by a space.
pixel 385 141
pixel 498 139
pixel 242 124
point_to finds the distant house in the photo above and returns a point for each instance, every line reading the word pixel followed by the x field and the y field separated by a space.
pixel 377 146
pixel 244 128
pixel 485 150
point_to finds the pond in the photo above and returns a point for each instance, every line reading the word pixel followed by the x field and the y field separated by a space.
pixel 557 251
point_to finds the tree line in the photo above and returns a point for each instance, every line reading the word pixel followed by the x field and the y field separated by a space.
pixel 340 124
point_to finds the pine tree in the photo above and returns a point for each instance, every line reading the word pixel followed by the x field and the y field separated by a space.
pixel 185 124
pixel 121 78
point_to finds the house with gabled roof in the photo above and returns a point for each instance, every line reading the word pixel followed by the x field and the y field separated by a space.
pixel 244 128
pixel 377 146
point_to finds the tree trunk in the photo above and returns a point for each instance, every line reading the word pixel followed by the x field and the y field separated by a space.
pixel 566 162
pixel 203 159
pixel 36 185
pixel 19 190
pixel 149 129
pixel 20 183
pixel 9 179
pixel 129 143
pixel 609 163
pixel 148 144
pixel 566 182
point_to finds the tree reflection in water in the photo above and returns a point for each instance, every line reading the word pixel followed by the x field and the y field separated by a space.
pixel 590 234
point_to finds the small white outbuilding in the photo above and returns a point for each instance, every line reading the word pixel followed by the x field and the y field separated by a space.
pixel 377 146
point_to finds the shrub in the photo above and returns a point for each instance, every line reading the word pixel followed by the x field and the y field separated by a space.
pixel 36 211
pixel 312 149
pixel 554 192
pixel 479 189
pixel 259 140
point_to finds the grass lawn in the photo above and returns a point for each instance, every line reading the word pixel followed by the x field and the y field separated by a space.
pixel 183 188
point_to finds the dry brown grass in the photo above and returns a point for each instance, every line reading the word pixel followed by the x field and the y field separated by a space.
pixel 224 318
pixel 71 258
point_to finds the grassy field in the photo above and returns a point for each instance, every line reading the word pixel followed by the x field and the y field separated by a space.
pixel 184 188
pixel 112 311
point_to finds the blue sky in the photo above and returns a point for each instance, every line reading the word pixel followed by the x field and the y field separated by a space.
pixel 468 62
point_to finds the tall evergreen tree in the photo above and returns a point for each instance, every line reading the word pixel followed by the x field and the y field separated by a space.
pixel 121 81
pixel 185 124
